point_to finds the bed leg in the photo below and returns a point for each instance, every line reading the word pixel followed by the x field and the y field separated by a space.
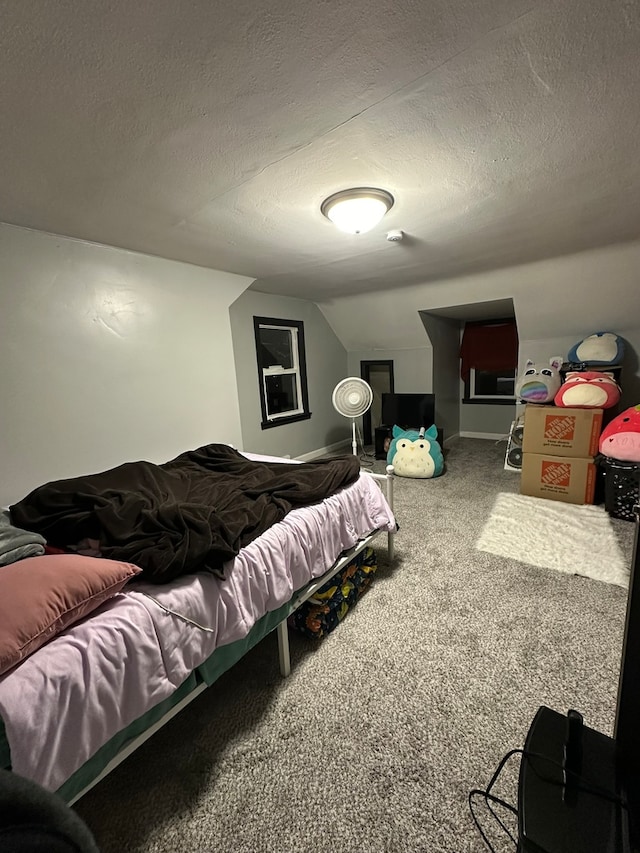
pixel 390 536
pixel 283 648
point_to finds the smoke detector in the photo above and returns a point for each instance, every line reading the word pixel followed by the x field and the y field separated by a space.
pixel 395 236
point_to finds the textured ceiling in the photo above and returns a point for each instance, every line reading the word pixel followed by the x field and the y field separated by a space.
pixel 210 132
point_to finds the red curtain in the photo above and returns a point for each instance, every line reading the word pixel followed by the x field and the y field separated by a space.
pixel 489 346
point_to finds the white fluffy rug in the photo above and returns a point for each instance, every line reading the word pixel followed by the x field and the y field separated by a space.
pixel 555 535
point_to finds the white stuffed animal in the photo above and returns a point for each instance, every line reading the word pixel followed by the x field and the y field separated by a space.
pixel 540 382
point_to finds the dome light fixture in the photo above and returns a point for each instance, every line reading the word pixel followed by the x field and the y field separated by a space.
pixel 358 210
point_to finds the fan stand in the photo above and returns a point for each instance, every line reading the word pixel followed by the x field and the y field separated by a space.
pixel 351 398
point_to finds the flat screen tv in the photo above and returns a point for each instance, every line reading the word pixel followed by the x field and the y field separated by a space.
pixel 408 411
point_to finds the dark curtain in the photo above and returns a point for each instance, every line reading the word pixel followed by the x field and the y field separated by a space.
pixel 489 346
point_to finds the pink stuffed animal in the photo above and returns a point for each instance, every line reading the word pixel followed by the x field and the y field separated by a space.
pixel 588 390
pixel 621 438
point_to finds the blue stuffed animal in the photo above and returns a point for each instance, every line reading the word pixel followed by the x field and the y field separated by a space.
pixel 601 348
pixel 416 454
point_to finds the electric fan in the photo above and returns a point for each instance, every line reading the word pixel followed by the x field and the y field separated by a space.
pixel 351 398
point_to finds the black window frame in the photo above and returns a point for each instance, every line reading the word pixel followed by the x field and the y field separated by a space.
pixel 268 422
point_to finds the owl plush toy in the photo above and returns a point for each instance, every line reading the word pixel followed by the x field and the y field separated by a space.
pixel 416 454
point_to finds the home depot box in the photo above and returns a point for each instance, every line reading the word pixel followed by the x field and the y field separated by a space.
pixel 558 478
pixel 558 431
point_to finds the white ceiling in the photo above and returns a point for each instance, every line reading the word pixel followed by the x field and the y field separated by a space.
pixel 507 130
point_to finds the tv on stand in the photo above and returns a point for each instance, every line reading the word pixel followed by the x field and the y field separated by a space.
pixel 409 411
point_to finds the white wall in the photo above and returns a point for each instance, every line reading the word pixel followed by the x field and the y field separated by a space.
pixel 556 303
pixel 478 420
pixel 565 297
pixel 412 368
pixel 444 337
pixel 108 356
pixel 326 366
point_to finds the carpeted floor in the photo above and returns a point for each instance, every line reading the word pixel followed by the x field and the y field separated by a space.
pixel 374 741
pixel 578 539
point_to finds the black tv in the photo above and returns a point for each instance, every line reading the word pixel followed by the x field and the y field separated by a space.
pixel 408 411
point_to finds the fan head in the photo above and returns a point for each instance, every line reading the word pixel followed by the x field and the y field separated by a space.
pixel 352 397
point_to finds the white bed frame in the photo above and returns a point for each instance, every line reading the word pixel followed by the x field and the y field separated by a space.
pixel 281 629
pixel 344 560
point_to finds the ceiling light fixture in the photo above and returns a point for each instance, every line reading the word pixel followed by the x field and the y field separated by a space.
pixel 358 210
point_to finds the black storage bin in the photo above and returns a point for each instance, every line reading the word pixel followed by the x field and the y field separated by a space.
pixel 621 487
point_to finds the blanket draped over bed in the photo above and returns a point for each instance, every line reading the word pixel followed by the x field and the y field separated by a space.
pixel 190 514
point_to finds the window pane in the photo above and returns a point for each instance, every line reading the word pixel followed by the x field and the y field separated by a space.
pixel 506 386
pixel 276 347
pixel 282 394
pixel 494 383
pixel 281 370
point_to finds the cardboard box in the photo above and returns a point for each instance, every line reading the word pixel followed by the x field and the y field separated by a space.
pixel 558 478
pixel 557 431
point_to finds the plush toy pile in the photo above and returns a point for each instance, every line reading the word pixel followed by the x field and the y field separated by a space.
pixel 589 379
pixel 587 384
pixel 416 453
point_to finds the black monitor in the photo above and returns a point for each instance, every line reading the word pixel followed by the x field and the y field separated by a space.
pixel 408 411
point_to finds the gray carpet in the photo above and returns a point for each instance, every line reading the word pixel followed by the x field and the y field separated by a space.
pixel 374 741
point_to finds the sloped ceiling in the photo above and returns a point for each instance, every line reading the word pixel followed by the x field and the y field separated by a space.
pixel 566 298
pixel 210 132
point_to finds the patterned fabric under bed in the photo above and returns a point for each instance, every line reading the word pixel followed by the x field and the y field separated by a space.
pixel 324 611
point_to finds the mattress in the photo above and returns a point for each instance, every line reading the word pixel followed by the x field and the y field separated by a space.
pixel 75 694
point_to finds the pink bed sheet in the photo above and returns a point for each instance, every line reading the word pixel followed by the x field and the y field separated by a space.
pixel 71 696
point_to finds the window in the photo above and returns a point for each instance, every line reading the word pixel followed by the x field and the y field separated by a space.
pixel 491 384
pixel 282 371
pixel 488 361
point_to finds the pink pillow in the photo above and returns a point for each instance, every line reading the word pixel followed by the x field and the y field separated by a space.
pixel 41 596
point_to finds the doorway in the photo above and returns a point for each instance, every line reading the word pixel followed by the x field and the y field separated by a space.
pixel 379 375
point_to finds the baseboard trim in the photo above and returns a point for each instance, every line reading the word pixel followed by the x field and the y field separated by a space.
pixel 338 447
pixel 492 436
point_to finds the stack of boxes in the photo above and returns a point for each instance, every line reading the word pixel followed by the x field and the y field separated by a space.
pixel 559 446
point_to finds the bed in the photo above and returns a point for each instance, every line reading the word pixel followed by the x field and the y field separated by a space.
pixel 77 706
